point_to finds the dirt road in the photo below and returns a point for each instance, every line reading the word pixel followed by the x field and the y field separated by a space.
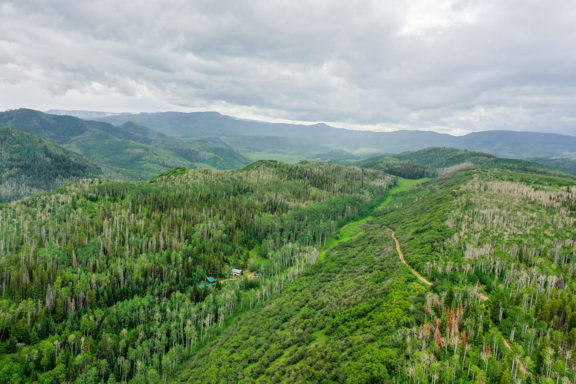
pixel 401 255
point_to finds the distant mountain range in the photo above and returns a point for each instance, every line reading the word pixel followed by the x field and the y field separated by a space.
pixel 81 114
pixel 319 138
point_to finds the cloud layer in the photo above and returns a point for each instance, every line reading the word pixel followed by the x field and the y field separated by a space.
pixel 448 65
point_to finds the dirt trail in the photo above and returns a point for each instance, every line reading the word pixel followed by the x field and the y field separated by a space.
pixel 481 296
pixel 401 255
pixel 520 364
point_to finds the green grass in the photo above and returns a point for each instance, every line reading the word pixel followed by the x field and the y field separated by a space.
pixel 354 229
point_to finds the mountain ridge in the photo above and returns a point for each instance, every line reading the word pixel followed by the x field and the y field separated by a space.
pixel 140 151
pixel 30 164
pixel 498 142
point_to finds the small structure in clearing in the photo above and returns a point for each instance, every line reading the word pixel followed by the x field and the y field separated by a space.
pixel 210 282
pixel 237 272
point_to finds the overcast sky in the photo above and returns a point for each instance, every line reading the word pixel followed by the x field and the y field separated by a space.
pixel 446 65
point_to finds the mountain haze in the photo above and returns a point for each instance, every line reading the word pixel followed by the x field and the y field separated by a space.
pixel 322 137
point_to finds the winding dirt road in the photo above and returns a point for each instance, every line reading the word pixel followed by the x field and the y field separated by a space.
pixel 401 255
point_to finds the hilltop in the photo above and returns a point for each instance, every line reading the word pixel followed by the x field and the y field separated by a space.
pixel 432 162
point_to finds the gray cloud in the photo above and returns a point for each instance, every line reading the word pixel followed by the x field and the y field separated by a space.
pixel 448 65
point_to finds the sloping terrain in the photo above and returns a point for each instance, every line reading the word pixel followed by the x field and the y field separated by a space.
pixel 464 277
pixel 108 281
pixel 136 152
pixel 440 161
pixel 566 165
pixel 498 248
pixel 30 164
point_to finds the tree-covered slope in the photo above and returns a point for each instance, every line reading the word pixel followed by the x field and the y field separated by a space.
pixel 30 164
pixel 58 129
pixel 441 160
pixel 566 165
pixel 426 162
pixel 136 152
pixel 140 160
pixel 498 248
pixel 106 281
pixel 343 320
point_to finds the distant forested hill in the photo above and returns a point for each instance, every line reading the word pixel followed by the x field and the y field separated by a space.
pixel 30 164
pixel 136 152
pixel 566 165
pixel 438 161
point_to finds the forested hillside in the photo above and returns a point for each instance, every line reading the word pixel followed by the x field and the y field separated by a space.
pixel 133 152
pixel 437 161
pixel 108 281
pixel 566 165
pixel 30 164
pixel 495 302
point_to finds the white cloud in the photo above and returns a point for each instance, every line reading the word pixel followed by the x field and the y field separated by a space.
pixel 450 65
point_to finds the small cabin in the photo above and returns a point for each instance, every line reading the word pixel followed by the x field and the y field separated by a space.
pixel 210 282
pixel 237 272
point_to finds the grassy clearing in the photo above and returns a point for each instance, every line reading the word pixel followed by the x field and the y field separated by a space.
pixel 354 229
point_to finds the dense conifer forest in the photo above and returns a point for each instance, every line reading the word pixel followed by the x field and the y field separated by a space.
pixel 30 164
